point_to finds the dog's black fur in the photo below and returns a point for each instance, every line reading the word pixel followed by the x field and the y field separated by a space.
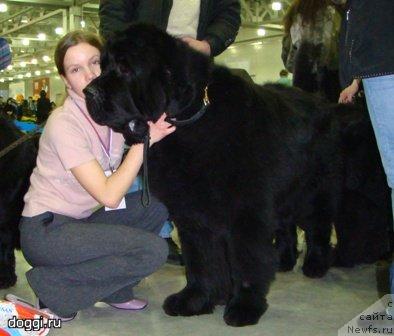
pixel 15 168
pixel 260 161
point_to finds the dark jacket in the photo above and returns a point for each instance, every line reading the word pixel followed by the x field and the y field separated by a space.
pixel 43 109
pixel 219 20
pixel 367 43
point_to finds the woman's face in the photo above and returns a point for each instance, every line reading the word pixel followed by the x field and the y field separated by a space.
pixel 81 66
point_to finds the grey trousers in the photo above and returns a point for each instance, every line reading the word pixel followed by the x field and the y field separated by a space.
pixel 78 262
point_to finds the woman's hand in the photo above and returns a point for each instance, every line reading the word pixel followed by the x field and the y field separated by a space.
pixel 201 46
pixel 347 95
pixel 160 129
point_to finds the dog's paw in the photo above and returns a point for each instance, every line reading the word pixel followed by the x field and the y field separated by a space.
pixel 7 278
pixel 287 261
pixel 188 302
pixel 244 310
pixel 316 265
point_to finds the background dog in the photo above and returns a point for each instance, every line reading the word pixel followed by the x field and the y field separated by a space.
pixel 15 168
pixel 258 162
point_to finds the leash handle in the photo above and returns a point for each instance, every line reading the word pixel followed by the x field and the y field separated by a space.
pixel 145 198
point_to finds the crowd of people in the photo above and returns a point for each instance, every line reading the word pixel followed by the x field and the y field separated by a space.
pixel 28 110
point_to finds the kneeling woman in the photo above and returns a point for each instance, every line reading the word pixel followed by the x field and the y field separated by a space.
pixel 81 256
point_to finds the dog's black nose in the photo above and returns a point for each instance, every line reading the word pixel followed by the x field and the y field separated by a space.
pixel 90 90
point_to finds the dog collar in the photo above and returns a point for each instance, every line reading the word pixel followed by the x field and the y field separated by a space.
pixel 196 116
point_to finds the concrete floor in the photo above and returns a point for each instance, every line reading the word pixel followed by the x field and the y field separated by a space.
pixel 298 306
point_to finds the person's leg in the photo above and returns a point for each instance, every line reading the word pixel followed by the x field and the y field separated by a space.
pixel 167 228
pixel 390 308
pixel 174 253
pixel 137 216
pixel 76 264
pixel 379 92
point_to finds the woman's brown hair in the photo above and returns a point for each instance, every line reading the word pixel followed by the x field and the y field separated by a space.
pixel 71 39
pixel 307 10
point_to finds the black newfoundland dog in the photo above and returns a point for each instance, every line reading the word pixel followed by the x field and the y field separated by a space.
pixel 256 162
pixel 15 169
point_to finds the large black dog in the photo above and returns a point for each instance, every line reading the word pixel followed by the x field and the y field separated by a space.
pixel 258 162
pixel 15 168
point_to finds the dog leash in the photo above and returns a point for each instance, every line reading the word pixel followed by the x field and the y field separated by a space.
pixel 19 141
pixel 145 197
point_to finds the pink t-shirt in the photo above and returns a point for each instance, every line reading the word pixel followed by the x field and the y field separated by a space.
pixel 68 141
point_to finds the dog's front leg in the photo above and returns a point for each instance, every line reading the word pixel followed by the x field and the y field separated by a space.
pixel 253 263
pixel 207 272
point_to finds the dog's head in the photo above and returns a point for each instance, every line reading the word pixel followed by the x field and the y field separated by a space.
pixel 144 72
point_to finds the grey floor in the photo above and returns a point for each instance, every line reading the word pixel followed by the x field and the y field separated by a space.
pixel 298 306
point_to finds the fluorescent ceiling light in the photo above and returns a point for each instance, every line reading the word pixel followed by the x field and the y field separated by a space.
pixel 3 7
pixel 59 30
pixel 276 5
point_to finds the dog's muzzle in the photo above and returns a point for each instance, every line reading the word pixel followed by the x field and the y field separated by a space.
pixel 91 91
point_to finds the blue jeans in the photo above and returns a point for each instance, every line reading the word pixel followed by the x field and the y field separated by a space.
pixel 390 309
pixel 379 92
pixel 167 226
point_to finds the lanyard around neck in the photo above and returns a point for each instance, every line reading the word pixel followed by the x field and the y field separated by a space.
pixel 106 148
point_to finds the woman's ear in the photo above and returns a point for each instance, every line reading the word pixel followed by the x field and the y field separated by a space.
pixel 66 82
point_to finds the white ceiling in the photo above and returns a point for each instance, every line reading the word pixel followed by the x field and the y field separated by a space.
pixel 25 19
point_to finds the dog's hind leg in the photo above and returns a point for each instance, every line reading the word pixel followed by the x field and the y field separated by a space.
pixel 7 258
pixel 253 262
pixel 207 272
pixel 286 245
pixel 317 233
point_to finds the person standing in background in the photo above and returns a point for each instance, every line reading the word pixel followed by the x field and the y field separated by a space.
pixel 284 78
pixel 43 107
pixel 310 46
pixel 32 105
pixel 367 56
pixel 208 26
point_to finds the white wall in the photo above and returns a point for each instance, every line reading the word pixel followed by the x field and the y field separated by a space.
pixel 260 57
pixel 261 61
pixel 58 89
pixel 16 88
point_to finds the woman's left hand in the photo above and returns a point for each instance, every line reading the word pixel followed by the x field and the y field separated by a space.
pixel 160 129
pixel 201 46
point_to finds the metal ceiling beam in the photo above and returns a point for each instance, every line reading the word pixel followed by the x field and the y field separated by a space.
pixel 81 2
pixel 259 12
pixel 42 3
pixel 23 11
pixel 41 18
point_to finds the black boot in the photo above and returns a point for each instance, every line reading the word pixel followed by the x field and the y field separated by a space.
pixel 174 253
